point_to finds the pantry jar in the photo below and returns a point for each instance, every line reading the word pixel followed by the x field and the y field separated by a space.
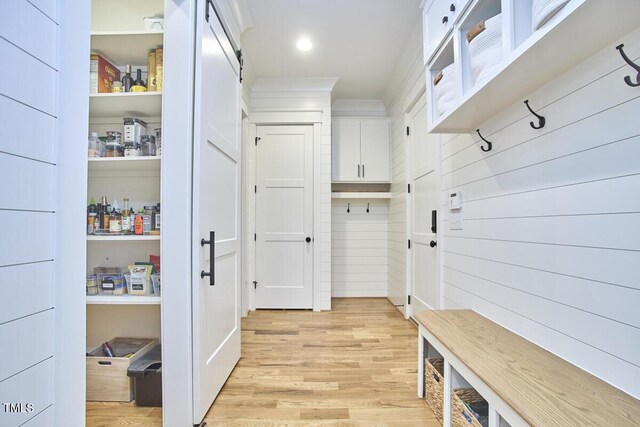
pixel 114 147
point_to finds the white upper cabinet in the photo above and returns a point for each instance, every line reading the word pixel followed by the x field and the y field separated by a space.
pixel 483 55
pixel 360 150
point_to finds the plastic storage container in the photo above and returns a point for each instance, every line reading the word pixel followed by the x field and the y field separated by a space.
pixel 155 279
pixel 110 281
pixel 146 373
pixel 92 284
pixel 141 286
pixel 148 145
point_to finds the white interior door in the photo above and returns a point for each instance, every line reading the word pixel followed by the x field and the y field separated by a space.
pixel 284 217
pixel 423 204
pixel 216 202
pixel 374 149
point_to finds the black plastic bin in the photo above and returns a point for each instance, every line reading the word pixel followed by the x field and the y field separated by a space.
pixel 147 378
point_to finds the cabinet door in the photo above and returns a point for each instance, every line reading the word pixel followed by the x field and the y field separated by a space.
pixel 345 150
pixel 374 148
pixel 437 20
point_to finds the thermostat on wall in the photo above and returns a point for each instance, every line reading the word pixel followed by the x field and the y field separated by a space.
pixel 455 200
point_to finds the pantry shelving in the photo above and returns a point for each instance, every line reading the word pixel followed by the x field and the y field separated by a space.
pixel 361 195
pixel 124 164
pixel 123 300
pixel 146 104
pixel 531 58
pixel 125 238
pixel 125 47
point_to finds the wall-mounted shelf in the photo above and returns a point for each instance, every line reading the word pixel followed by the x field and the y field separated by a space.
pixel 124 238
pixel 123 300
pixel 140 104
pixel 532 59
pixel 123 164
pixel 126 47
pixel 361 195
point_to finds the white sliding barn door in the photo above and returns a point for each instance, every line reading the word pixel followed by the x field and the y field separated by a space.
pixel 284 217
pixel 216 214
pixel 423 205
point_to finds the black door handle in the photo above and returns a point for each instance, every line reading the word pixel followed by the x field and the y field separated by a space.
pixel 308 239
pixel 212 258
pixel 433 243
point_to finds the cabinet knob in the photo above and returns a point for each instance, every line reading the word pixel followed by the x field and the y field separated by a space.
pixel 308 239
pixel 445 19
pixel 452 8
pixel 433 243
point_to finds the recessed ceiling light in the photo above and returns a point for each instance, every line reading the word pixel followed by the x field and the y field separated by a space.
pixel 304 44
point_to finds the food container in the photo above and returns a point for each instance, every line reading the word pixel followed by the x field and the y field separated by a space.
pixel 113 146
pixel 116 87
pixel 158 141
pixel 110 280
pixel 155 279
pixel 142 286
pixel 148 219
pixel 134 129
pixel 92 284
pixel 146 373
pixel 148 144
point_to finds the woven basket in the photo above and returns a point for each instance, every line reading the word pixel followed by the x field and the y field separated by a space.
pixel 461 416
pixel 444 90
pixel 543 10
pixel 434 385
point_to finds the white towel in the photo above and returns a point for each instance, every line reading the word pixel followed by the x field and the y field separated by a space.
pixel 445 91
pixel 543 10
pixel 485 50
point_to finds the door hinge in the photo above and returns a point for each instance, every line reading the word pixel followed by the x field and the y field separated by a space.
pixel 257 139
pixel 255 237
pixel 206 12
pixel 255 285
pixel 408 299
pixel 408 132
pixel 409 243
pixel 255 188
pixel 409 188
pixel 241 61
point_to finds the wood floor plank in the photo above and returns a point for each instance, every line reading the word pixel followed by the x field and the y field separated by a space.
pixel 354 366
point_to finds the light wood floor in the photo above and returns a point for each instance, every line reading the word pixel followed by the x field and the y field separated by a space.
pixel 352 366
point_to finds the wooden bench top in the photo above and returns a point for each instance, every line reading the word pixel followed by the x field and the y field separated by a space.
pixel 542 388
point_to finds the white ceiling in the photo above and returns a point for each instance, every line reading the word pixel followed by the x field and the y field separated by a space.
pixel 357 41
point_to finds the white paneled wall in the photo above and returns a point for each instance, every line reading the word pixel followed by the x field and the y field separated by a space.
pixel 27 206
pixel 359 248
pixel 406 86
pixel 289 98
pixel 551 232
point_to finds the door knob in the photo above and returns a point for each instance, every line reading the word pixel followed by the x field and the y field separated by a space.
pixel 433 243
pixel 308 239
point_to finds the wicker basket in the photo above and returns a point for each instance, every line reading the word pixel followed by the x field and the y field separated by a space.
pixel 543 10
pixel 485 50
pixel 434 385
pixel 461 415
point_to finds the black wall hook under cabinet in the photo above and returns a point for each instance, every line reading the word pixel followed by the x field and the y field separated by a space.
pixel 541 120
pixel 367 207
pixel 490 144
pixel 348 207
pixel 636 67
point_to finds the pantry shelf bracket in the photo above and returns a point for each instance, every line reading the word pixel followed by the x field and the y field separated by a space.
pixel 635 66
pixel 541 120
pixel 489 144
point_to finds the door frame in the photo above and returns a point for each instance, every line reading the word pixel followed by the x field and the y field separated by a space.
pixel 289 118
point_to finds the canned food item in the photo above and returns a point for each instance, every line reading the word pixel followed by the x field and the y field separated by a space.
pixel 92 284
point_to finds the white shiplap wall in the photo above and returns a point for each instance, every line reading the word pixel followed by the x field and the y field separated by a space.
pixel 359 248
pixel 551 238
pixel 285 96
pixel 27 207
pixel 404 89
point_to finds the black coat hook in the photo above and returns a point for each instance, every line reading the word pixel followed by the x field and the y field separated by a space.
pixel 541 120
pixel 367 207
pixel 348 207
pixel 488 142
pixel 627 79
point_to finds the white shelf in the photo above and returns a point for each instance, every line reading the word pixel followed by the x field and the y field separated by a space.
pixel 569 38
pixel 119 165
pixel 361 195
pixel 123 300
pixel 132 238
pixel 126 47
pixel 131 104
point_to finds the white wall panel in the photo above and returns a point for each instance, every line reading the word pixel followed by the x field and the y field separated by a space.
pixel 13 249
pixel 39 38
pixel 27 341
pixel 23 184
pixel 551 219
pixel 356 236
pixel 25 289
pixel 33 386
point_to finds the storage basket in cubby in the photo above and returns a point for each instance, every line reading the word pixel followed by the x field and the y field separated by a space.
pixel 485 48
pixel 434 385
pixel 543 10
pixel 444 89
pixel 461 414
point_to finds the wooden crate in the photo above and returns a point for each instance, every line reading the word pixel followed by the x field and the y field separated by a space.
pixel 107 379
